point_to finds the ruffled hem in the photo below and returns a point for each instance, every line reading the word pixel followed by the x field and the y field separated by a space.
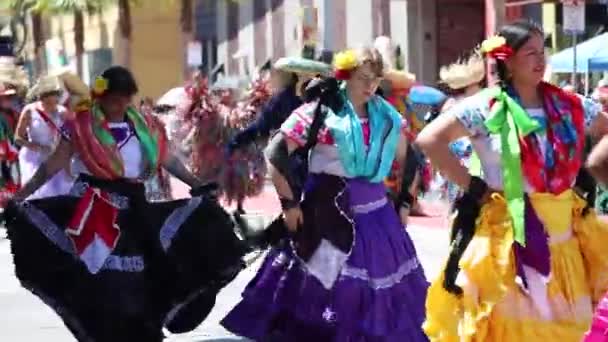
pixel 283 299
pixel 163 263
pixel 488 280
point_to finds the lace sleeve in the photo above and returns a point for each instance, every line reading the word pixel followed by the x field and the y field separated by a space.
pixel 472 112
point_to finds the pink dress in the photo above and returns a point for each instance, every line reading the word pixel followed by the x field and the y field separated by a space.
pixel 599 326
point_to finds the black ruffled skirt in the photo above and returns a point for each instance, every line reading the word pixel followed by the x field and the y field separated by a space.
pixel 169 261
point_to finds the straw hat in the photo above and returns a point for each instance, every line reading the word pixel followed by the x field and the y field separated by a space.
pixel 399 79
pixel 300 65
pixel 464 72
pixel 5 90
pixel 12 74
pixel 44 85
pixel 73 84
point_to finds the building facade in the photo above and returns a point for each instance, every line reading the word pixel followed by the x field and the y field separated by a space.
pixel 241 35
pixel 155 51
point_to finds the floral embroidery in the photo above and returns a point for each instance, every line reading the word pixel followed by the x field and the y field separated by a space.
pixel 472 113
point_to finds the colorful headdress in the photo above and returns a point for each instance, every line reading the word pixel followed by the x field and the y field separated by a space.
pixel 496 47
pixel 100 86
pixel 344 63
pixel 464 72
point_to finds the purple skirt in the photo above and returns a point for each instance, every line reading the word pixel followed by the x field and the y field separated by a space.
pixel 373 290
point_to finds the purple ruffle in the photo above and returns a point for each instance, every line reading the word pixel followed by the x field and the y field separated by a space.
pixel 379 296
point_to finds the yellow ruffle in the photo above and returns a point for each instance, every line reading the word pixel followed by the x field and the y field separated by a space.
pixel 493 308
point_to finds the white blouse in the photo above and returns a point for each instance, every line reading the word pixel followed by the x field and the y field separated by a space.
pixel 130 151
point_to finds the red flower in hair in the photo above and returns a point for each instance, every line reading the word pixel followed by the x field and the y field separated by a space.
pixel 502 53
pixel 342 75
pixel 496 47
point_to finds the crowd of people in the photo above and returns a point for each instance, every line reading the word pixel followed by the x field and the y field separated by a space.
pixel 349 148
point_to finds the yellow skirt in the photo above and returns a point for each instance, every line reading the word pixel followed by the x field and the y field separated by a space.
pixel 493 306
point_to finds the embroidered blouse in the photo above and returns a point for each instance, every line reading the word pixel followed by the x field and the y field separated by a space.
pixel 473 111
pixel 324 157
pixel 129 147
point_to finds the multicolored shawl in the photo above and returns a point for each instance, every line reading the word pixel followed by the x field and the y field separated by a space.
pixel 98 150
pixel 372 162
pixel 553 172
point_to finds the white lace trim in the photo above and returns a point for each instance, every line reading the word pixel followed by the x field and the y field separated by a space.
pixel 369 207
pixel 383 282
pixel 176 220
pixel 325 264
pixel 57 236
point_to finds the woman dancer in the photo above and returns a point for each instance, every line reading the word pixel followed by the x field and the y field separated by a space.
pixel 38 132
pixel 537 260
pixel 351 272
pixel 287 79
pixel 462 79
pixel 596 163
pixel 114 266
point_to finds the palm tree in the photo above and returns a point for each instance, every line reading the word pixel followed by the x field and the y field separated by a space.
pixel 20 8
pixel 77 9
pixel 124 23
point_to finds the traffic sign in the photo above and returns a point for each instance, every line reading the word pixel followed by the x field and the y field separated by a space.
pixel 574 16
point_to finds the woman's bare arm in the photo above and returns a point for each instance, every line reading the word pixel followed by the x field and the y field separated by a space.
pixel 278 180
pixel 597 161
pixel 434 141
pixel 176 167
pixel 21 138
pixel 58 160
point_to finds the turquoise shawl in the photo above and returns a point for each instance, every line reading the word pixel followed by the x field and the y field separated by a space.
pixel 374 162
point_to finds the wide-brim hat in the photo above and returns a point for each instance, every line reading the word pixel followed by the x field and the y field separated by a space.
pixel 13 74
pixel 5 90
pixel 300 65
pixel 72 83
pixel 400 79
pixel 464 73
pixel 45 85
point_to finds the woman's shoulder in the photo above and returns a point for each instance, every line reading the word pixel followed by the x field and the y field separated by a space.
pixel 479 103
pixel 30 107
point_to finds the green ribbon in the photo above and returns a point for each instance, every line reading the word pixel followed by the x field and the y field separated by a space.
pixel 147 141
pixel 510 120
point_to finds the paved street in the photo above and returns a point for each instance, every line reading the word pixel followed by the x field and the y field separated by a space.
pixel 23 318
